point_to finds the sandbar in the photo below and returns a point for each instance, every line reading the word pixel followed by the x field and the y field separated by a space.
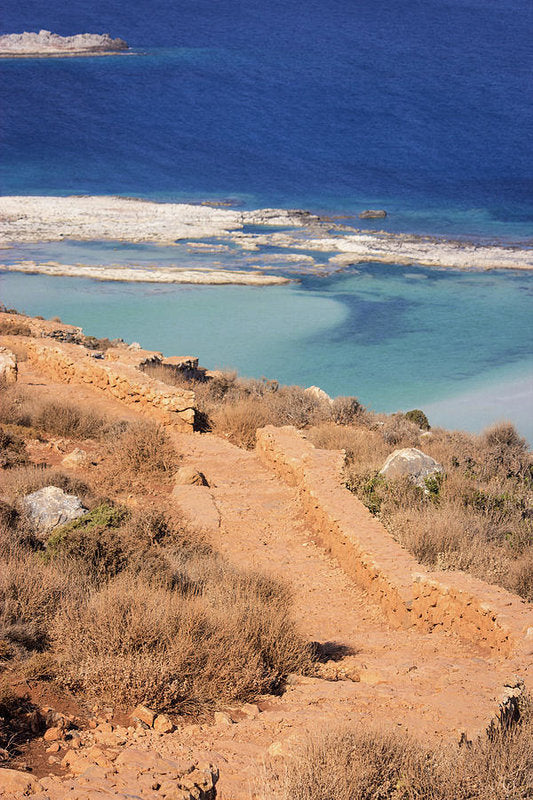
pixel 146 275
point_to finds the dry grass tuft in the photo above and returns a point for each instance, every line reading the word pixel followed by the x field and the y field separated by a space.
pixel 178 650
pixel 19 407
pixel 12 450
pixel 235 407
pixel 143 452
pixel 30 594
pixel 345 764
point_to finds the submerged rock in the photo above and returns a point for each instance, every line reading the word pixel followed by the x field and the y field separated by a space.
pixel 49 507
pixel 410 463
pixel 377 213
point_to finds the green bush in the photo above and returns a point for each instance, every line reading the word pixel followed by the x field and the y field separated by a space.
pixel 93 539
pixel 419 418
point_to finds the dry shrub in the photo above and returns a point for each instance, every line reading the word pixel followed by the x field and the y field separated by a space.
pixel 132 641
pixel 352 765
pixel 519 577
pixel 69 420
pixel 143 452
pixel 110 539
pixel 239 421
pixel 398 431
pixel 20 481
pixel 54 417
pixel 362 446
pixel 12 450
pixel 504 452
pixel 30 593
pixel 348 765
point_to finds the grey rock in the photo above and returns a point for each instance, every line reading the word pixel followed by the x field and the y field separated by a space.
pixel 410 463
pixel 370 213
pixel 49 507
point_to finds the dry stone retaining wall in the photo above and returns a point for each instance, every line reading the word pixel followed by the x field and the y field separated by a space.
pixel 409 595
pixel 118 374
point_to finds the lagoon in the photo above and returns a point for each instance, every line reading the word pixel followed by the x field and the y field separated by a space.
pixel 457 344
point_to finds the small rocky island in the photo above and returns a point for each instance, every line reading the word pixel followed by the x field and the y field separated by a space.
pixel 46 43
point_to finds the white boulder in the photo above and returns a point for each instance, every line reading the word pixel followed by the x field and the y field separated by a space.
pixel 50 506
pixel 410 463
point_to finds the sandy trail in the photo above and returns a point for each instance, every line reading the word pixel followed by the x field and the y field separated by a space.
pixel 432 685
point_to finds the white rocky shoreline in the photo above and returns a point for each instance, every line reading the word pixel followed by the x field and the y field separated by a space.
pixel 26 220
pixel 46 43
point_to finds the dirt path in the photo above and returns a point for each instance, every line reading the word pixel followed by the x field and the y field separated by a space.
pixel 432 685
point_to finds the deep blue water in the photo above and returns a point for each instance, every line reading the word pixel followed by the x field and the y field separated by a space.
pixel 420 106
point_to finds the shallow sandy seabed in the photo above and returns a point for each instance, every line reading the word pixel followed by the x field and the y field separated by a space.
pixel 92 218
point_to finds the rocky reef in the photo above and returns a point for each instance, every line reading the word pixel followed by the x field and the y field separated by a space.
pixel 48 43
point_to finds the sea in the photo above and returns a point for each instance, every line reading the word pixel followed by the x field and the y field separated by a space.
pixel 420 107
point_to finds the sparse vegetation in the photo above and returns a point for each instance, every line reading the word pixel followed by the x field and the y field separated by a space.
pixel 346 764
pixel 476 517
pixel 131 604
pixel 236 407
pixel 52 417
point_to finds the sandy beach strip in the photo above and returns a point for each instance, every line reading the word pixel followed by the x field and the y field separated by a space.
pixel 95 218
pixel 204 276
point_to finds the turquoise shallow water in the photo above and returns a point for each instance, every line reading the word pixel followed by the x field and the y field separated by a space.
pixel 454 342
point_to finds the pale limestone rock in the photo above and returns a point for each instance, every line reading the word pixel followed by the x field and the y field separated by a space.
pixel 76 458
pixel 318 394
pixel 144 714
pixel 163 724
pixel 372 213
pixel 49 507
pixel 8 366
pixel 189 476
pixel 222 719
pixel 46 42
pixel 409 462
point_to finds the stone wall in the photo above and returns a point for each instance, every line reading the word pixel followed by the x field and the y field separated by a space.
pixel 408 594
pixel 117 373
